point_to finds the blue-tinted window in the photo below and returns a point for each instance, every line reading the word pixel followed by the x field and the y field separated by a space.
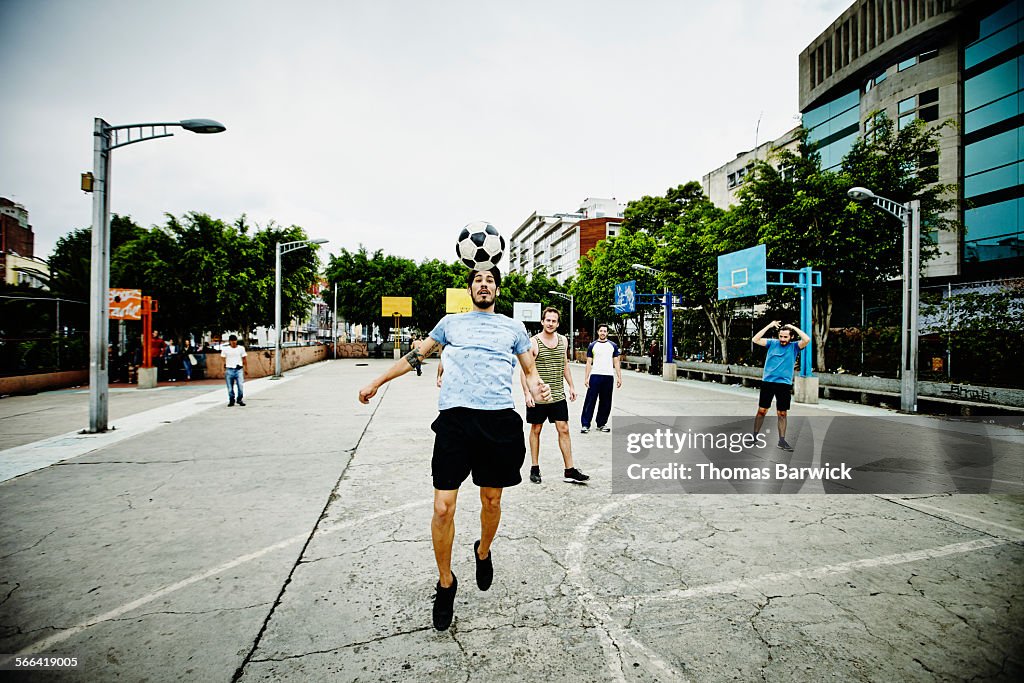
pixel 906 105
pixel 997 150
pixel 991 85
pixel 880 77
pixel 832 155
pixel 990 181
pixel 1006 246
pixel 906 63
pixel 993 220
pixel 1000 110
pixel 906 120
pixel 1008 14
pixel 991 46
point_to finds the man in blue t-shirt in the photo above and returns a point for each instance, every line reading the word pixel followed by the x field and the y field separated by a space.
pixel 477 431
pixel 777 380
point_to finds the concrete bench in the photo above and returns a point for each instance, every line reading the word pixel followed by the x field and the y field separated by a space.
pixel 638 363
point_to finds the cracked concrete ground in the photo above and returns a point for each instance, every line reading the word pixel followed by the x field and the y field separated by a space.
pixel 290 540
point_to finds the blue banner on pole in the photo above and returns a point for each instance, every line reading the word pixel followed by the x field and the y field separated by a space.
pixel 625 297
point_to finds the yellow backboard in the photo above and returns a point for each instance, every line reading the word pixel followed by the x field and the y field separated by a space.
pixel 457 300
pixel 396 305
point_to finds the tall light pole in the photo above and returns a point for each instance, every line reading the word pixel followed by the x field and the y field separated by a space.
pixel 909 214
pixel 666 372
pixel 334 320
pixel 107 138
pixel 572 325
pixel 283 248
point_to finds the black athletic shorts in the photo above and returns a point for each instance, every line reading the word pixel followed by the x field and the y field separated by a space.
pixel 552 412
pixel 780 391
pixel 487 443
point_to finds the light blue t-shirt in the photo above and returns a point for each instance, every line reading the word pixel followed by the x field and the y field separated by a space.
pixel 479 355
pixel 778 365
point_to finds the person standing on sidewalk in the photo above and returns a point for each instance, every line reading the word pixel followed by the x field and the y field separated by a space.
pixel 477 430
pixel 777 379
pixel 234 357
pixel 603 363
pixel 549 350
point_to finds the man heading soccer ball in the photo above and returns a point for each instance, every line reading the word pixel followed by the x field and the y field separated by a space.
pixel 477 430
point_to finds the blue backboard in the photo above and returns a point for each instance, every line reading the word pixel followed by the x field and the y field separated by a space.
pixel 743 273
pixel 625 297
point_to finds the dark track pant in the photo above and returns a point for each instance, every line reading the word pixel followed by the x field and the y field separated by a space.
pixel 600 388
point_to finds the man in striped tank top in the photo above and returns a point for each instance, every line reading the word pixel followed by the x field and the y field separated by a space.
pixel 549 350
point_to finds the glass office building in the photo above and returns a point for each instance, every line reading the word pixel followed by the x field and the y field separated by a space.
pixel 993 137
pixel 948 60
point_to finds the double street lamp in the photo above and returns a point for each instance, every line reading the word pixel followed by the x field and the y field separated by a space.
pixel 107 138
pixel 283 248
pixel 572 324
pixel 909 214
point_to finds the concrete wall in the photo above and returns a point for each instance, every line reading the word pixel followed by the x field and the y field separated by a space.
pixel 261 362
pixel 884 385
pixel 43 381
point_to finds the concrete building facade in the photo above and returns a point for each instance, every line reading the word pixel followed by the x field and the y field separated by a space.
pixel 554 242
pixel 722 184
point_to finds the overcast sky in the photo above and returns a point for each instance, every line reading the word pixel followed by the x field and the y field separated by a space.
pixel 390 124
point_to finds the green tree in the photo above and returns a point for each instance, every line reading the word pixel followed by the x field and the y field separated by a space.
pixel 805 217
pixel 688 257
pixel 607 264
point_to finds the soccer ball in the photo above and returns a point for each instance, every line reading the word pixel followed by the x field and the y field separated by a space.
pixel 480 246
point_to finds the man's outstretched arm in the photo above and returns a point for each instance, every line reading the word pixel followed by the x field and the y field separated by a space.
pixel 401 366
pixel 539 390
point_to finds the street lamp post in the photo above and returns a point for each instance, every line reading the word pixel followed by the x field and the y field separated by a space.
pixel 283 248
pixel 107 138
pixel 668 369
pixel 909 214
pixel 334 320
pixel 572 325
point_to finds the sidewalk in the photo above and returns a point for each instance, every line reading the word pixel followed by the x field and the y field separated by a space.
pixel 289 540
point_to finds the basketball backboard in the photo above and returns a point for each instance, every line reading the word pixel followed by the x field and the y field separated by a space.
pixel 743 273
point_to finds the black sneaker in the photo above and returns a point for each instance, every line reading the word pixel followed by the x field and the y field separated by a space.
pixel 444 605
pixel 584 430
pixel 604 428
pixel 535 475
pixel 241 402
pixel 784 445
pixel 231 402
pixel 484 569
pixel 574 476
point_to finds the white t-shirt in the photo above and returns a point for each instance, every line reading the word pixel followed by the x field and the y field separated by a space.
pixel 603 352
pixel 232 356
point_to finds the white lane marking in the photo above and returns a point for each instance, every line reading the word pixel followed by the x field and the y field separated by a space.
pixel 753 584
pixel 612 635
pixel 34 456
pixel 46 644
pixel 912 503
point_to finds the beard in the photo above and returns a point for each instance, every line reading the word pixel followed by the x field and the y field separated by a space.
pixel 482 300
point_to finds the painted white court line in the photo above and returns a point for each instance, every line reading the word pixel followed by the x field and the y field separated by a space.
pixel 754 584
pixel 916 505
pixel 34 456
pixel 614 638
pixel 46 644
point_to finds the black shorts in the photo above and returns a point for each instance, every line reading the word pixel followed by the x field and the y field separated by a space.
pixel 552 412
pixel 487 443
pixel 780 391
